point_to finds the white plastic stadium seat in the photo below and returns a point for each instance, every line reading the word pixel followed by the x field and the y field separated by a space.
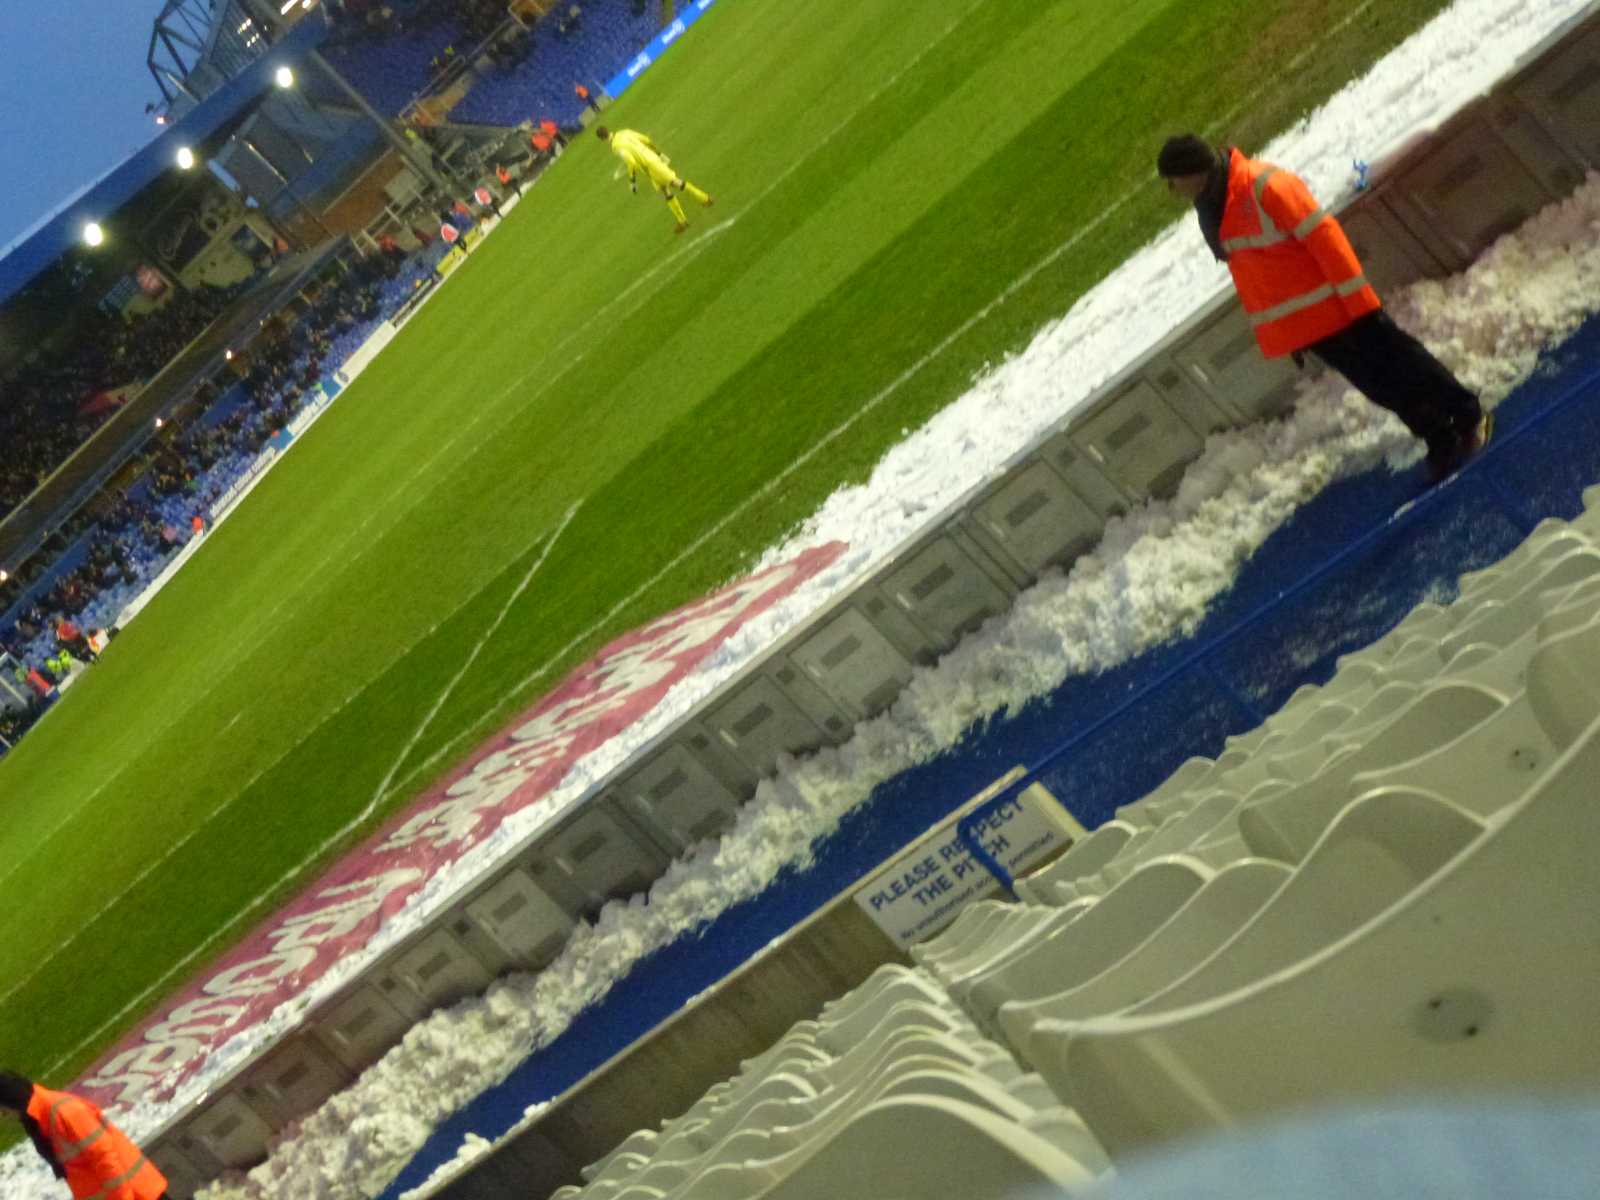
pixel 1286 826
pixel 1380 846
pixel 908 1146
pixel 1478 979
pixel 1082 858
pixel 1213 914
pixel 1116 926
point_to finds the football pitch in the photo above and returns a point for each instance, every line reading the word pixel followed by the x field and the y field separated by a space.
pixel 905 193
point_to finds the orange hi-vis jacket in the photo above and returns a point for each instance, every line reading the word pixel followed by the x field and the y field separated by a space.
pixel 1296 273
pixel 100 1162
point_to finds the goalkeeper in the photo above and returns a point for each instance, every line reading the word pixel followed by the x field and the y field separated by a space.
pixel 639 153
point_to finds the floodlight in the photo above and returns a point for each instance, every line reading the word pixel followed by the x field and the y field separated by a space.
pixel 93 235
pixel 284 77
pixel 185 158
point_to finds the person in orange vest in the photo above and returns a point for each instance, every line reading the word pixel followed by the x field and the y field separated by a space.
pixel 582 93
pixel 552 131
pixel 96 1159
pixel 1303 288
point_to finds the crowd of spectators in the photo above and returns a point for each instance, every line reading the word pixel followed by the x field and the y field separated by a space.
pixel 49 405
pixel 382 19
pixel 179 476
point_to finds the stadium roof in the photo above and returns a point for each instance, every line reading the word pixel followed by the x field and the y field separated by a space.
pixel 58 233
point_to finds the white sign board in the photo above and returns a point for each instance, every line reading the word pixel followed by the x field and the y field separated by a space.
pixel 927 885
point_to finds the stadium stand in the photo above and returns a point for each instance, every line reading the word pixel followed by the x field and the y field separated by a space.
pixel 518 76
pixel 49 407
pixel 1333 911
pixel 112 552
pixel 393 52
pixel 608 33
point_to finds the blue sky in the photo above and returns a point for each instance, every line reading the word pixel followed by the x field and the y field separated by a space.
pixel 73 93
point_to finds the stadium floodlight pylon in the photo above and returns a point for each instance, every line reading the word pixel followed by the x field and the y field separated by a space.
pixel 196 46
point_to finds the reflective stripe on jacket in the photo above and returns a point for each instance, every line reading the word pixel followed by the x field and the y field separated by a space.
pixel 100 1162
pixel 1297 275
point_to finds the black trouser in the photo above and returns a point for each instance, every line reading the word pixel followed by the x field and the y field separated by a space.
pixel 1395 371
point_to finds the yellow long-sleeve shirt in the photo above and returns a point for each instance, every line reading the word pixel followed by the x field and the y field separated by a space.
pixel 639 153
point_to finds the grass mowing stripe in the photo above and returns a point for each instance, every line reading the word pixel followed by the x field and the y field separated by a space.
pixel 339 835
pixel 544 543
pixel 235 862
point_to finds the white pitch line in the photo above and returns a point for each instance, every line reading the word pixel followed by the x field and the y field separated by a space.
pixel 178 846
pixel 371 807
pixel 450 687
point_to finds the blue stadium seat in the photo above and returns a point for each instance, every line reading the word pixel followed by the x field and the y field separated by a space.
pixel 390 71
pixel 542 86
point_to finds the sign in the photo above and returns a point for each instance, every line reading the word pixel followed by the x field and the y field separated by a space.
pixel 925 888
pixel 520 768
pixel 451 261
pixel 640 62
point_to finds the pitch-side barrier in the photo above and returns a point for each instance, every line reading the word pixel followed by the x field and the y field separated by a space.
pixel 1428 209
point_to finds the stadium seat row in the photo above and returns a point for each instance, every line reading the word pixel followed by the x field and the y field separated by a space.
pixel 1384 889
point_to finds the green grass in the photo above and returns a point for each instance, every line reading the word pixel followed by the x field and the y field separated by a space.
pixel 185 785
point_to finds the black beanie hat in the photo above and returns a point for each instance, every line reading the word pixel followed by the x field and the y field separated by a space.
pixel 15 1091
pixel 1185 154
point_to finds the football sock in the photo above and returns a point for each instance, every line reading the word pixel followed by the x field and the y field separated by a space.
pixel 695 192
pixel 677 210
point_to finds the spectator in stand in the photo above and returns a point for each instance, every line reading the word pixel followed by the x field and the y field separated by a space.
pixel 541 143
pixel 442 61
pixel 50 405
pixel 553 131
pixel 71 638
